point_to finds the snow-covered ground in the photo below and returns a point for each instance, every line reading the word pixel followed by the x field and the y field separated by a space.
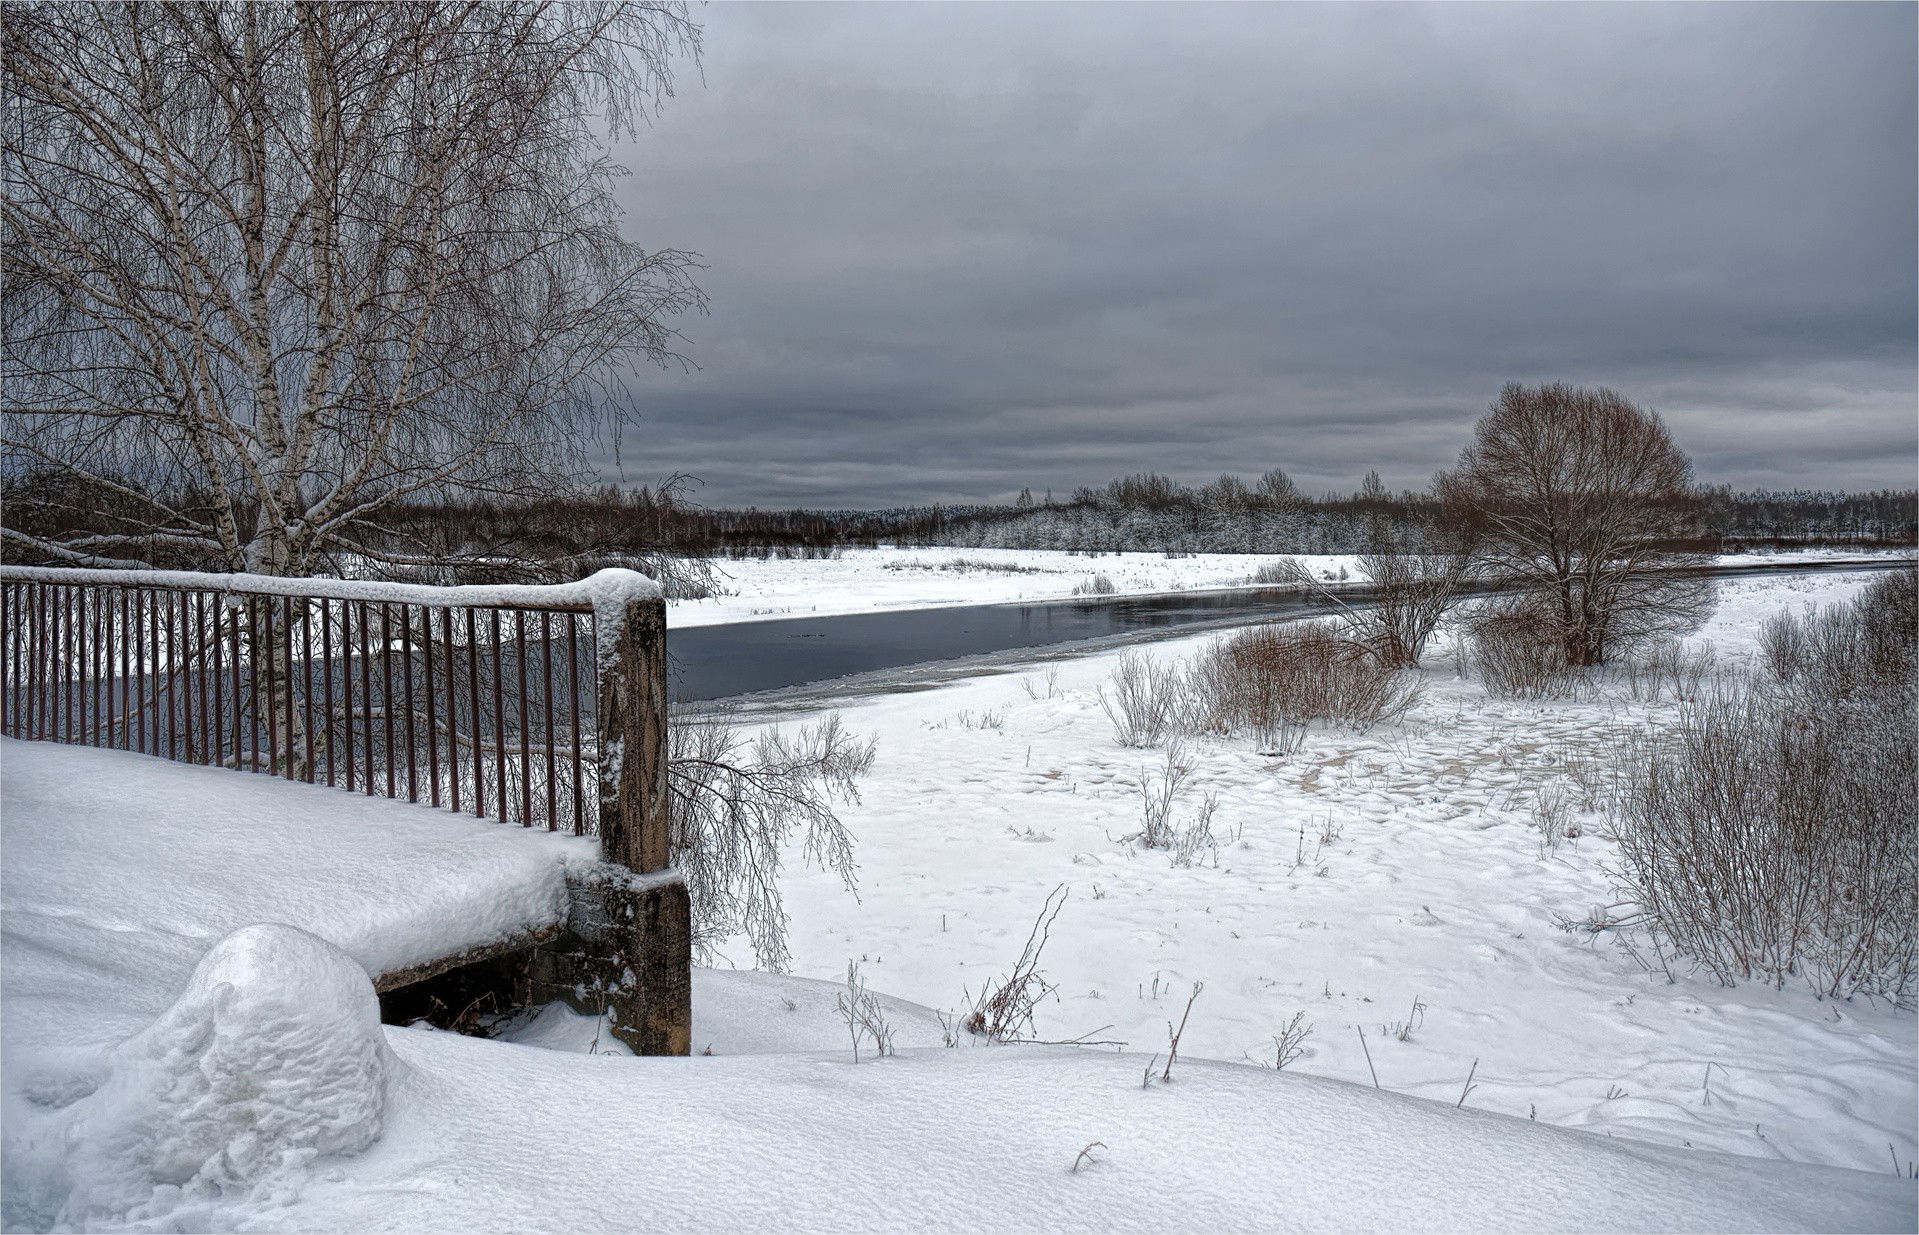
pixel 1354 880
pixel 1373 883
pixel 869 580
pixel 121 870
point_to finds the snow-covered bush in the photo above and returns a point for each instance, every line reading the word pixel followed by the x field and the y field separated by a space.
pixel 1770 835
pixel 271 1057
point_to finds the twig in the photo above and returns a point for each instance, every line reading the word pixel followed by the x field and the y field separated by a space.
pixel 1369 1056
pixel 1469 1085
pixel 1086 1154
pixel 1172 1052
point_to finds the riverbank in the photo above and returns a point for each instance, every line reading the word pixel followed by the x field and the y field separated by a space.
pixel 877 580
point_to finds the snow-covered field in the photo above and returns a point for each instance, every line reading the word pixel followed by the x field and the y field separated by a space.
pixel 1353 880
pixel 1381 883
pixel 869 580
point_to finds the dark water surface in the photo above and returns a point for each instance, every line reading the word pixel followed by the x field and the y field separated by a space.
pixel 749 658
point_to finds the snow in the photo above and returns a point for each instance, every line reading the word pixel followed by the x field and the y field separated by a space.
pixel 486 1135
pixel 271 1057
pixel 871 580
pixel 121 870
pixel 1356 877
pixel 1372 882
pixel 604 589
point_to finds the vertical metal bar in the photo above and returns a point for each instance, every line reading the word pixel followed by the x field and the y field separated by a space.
pixel 105 652
pixel 216 713
pixel 263 651
pixel 69 673
pixel 452 720
pixel 141 608
pixel 173 674
pixel 233 664
pixel 183 665
pixel 126 672
pixel 26 661
pixel 346 684
pixel 526 754
pixel 546 698
pixel 306 681
pixel 573 691
pixel 473 684
pixel 56 597
pixel 259 639
pixel 43 672
pixel 432 729
pixel 406 650
pixel 210 679
pixel 37 655
pixel 386 692
pixel 286 638
pixel 7 675
pixel 366 694
pixel 326 677
pixel 63 636
pixel 499 716
pixel 103 669
pixel 80 649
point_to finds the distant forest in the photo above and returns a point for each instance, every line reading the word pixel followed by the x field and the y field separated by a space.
pixel 1140 513
pixel 659 529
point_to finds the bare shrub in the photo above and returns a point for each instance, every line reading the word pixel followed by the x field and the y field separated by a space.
pixel 1770 835
pixel 1274 680
pixel 1782 645
pixel 865 1021
pixel 1005 1009
pixel 1197 835
pixel 1156 798
pixel 1416 573
pixel 1552 813
pixel 1145 696
pixel 737 804
pixel 1095 585
pixel 1291 1042
pixel 1666 666
pixel 1270 682
pixel 1518 653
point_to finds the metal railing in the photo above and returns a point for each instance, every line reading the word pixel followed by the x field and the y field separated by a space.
pixel 477 700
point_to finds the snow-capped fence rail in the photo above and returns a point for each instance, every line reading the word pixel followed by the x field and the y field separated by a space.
pixel 541 706
pixel 482 700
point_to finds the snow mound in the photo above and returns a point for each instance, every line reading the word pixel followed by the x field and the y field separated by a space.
pixel 271 1057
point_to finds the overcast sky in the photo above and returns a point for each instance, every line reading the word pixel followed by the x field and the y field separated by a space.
pixel 957 250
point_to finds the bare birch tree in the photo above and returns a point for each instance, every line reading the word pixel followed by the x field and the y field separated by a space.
pixel 272 267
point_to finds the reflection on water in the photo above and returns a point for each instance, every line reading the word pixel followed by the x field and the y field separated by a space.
pixel 712 662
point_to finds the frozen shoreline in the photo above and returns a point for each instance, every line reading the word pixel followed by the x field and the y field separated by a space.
pixel 876 580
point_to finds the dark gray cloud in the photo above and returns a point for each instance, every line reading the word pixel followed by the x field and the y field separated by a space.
pixel 958 249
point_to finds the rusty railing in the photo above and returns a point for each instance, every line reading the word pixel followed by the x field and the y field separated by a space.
pixel 484 701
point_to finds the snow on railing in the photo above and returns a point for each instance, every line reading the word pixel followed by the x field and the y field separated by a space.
pixel 484 700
